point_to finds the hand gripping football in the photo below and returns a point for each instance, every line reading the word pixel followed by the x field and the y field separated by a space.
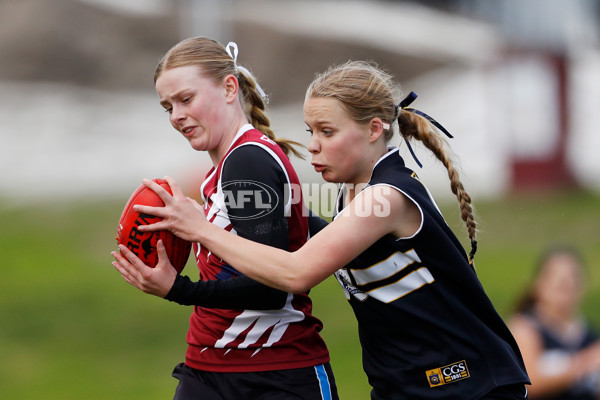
pixel 143 244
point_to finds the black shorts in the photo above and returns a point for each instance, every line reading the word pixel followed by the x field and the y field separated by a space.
pixel 310 383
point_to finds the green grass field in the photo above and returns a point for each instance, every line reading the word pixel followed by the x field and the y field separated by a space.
pixel 71 328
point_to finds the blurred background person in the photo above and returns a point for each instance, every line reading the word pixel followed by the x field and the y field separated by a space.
pixel 561 351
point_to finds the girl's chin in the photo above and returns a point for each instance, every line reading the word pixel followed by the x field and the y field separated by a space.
pixel 198 145
pixel 329 177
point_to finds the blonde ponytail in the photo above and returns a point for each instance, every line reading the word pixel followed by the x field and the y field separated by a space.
pixel 418 127
pixel 254 107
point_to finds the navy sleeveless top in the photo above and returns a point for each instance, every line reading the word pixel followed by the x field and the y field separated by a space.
pixel 426 326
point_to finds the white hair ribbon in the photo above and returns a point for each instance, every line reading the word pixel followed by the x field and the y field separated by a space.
pixel 233 54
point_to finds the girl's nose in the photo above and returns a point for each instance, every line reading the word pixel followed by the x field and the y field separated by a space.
pixel 313 145
pixel 177 115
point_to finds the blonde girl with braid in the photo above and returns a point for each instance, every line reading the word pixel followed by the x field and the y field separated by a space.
pixel 427 328
pixel 246 340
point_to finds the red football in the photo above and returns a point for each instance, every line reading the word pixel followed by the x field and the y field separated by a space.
pixel 143 244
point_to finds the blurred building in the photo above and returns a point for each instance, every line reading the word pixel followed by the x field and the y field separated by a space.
pixel 549 63
pixel 516 82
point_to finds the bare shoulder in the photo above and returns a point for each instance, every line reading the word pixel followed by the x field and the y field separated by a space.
pixel 523 329
pixel 401 212
pixel 387 197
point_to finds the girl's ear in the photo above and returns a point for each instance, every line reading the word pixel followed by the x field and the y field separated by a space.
pixel 376 128
pixel 232 86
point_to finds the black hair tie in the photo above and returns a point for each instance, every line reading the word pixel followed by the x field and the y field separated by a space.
pixel 404 107
pixel 473 249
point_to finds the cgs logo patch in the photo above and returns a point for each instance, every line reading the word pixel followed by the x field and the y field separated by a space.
pixel 448 374
pixel 434 378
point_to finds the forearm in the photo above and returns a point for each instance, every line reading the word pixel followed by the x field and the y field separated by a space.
pixel 330 249
pixel 277 268
pixel 233 293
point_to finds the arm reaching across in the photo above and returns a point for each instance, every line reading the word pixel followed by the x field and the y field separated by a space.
pixel 333 247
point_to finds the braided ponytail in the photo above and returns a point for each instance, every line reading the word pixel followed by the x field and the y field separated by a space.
pixel 415 126
pixel 254 107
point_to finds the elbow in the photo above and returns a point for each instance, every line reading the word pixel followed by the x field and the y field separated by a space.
pixel 299 279
pixel 296 278
pixel 297 286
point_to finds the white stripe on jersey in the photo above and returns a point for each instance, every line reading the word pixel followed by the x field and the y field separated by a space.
pixel 217 214
pixel 263 320
pixel 239 133
pixel 385 268
pixel 404 286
